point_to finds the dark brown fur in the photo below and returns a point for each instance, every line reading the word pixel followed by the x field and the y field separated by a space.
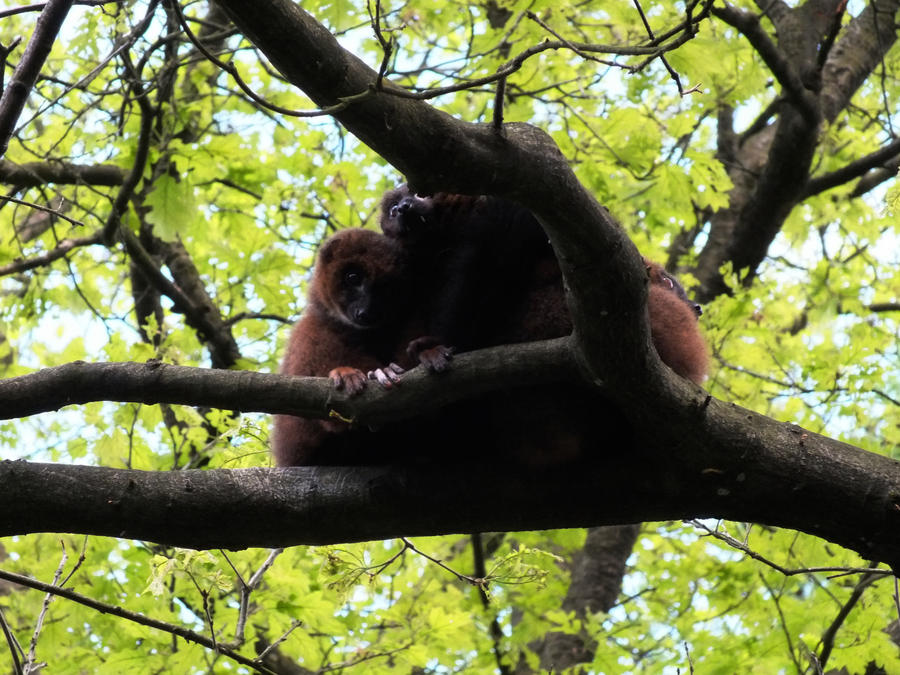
pixel 469 256
pixel 453 279
pixel 351 325
pixel 515 294
pixel 558 423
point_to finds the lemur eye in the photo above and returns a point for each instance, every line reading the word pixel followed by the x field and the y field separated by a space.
pixel 395 209
pixel 669 283
pixel 353 277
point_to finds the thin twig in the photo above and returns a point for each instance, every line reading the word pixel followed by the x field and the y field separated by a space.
pixel 387 44
pixel 246 588
pixel 462 577
pixel 242 316
pixel 39 624
pixel 672 73
pixel 788 572
pixel 232 70
pixel 15 649
pixel 39 6
pixel 575 48
pixel 4 55
pixel 776 598
pixel 295 624
pixel 135 617
pixel 119 46
pixel 45 209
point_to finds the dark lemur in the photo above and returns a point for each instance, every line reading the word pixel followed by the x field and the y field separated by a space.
pixel 469 257
pixel 356 309
pixel 515 294
pixel 484 270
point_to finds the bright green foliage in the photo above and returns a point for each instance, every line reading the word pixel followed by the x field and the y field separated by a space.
pixel 249 194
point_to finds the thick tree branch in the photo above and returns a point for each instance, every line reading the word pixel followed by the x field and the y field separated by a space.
pixel 692 456
pixel 438 152
pixel 862 46
pixel 26 73
pixel 597 571
pixel 246 391
pixel 741 466
pixel 770 166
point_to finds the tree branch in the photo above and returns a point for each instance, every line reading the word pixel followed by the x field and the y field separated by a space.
pixel 863 44
pixel 854 169
pixel 136 617
pixel 691 456
pixel 34 174
pixel 61 250
pixel 246 391
pixel 828 637
pixel 26 73
pixel 778 63
pixel 438 152
pixel 748 468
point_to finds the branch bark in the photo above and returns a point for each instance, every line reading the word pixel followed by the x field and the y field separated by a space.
pixel 739 466
pixel 34 174
pixel 770 167
pixel 26 73
pixel 692 456
pixel 246 391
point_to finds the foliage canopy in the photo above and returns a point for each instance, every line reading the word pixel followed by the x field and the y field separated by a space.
pixel 154 210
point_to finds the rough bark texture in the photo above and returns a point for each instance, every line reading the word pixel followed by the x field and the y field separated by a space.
pixel 597 572
pixel 769 164
pixel 719 461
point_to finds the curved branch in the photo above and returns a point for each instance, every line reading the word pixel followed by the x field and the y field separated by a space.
pixel 34 174
pixel 854 169
pixel 141 154
pixel 439 153
pixel 778 63
pixel 61 250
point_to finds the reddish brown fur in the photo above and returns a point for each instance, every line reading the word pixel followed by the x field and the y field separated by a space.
pixel 451 234
pixel 536 426
pixel 554 424
pixel 330 340
pixel 673 326
pixel 673 319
